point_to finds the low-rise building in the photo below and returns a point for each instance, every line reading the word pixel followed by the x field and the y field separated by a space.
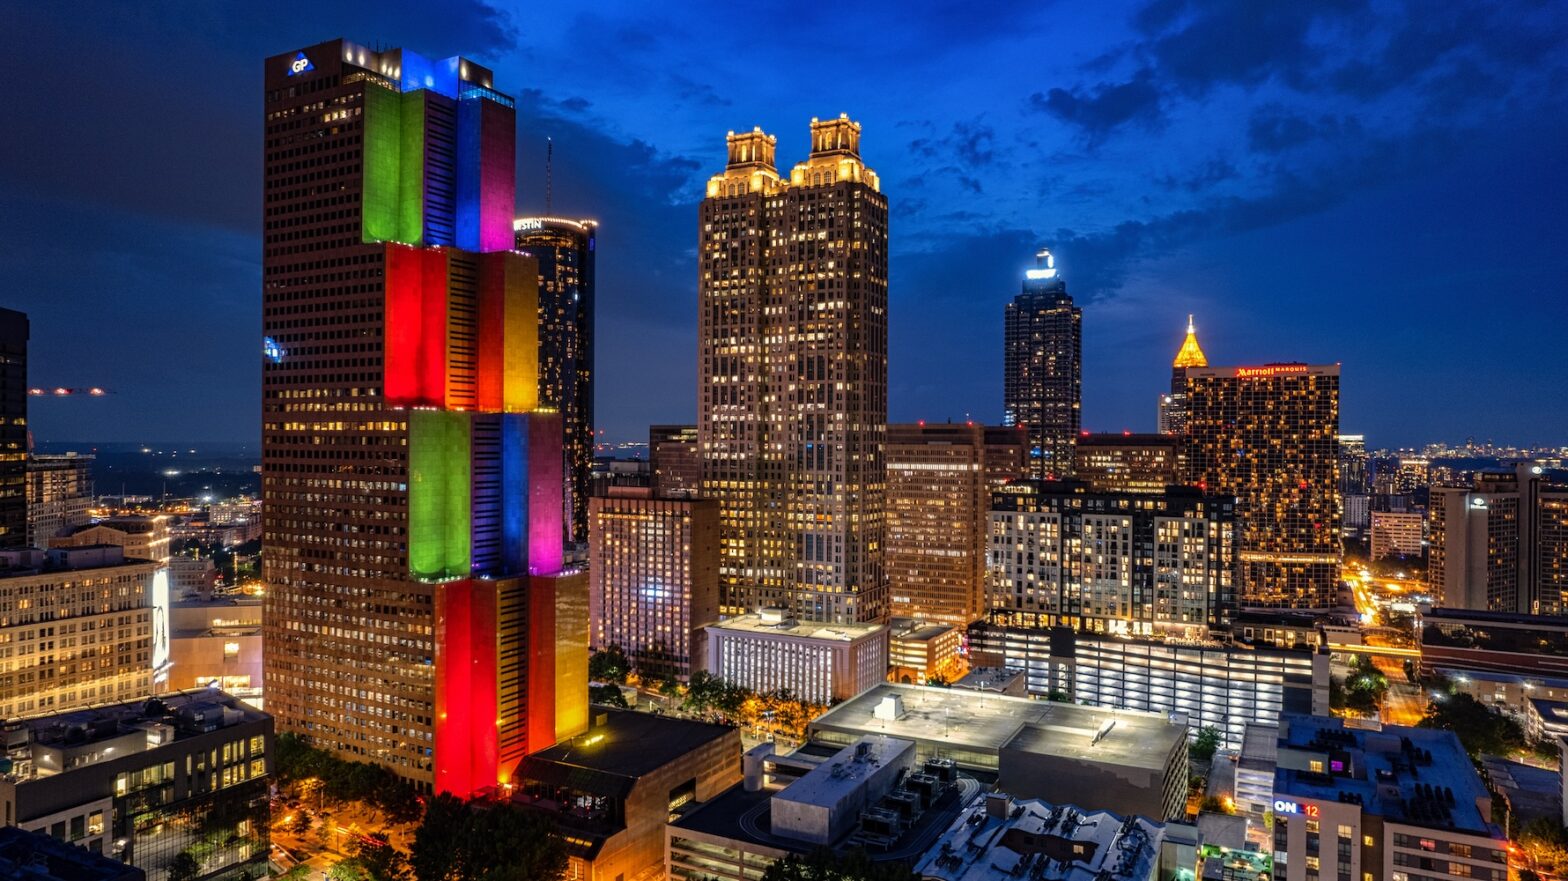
pixel 143 537
pixel 1465 641
pixel 819 663
pixel 998 680
pixel 919 650
pixel 148 780
pixel 1001 839
pixel 1388 802
pixel 36 856
pixel 612 789
pixel 217 642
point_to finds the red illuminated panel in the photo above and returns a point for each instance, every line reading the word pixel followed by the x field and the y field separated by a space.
pixel 467 748
pixel 415 326
pixel 541 663
pixel 508 319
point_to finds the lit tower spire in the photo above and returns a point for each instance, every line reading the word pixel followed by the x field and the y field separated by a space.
pixel 1190 355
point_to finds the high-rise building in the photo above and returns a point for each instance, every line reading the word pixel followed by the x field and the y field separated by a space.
pixel 1042 364
pixel 13 429
pixel 792 401
pixel 418 615
pixel 1006 455
pixel 674 460
pixel 1354 473
pixel 1500 545
pixel 565 250
pixel 1127 462
pixel 1173 406
pixel 937 498
pixel 1394 534
pixel 88 626
pixel 59 492
pixel 1121 563
pixel 653 568
pixel 1269 436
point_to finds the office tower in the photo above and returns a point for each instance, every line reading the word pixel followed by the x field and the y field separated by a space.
pixel 417 612
pixel 818 664
pixel 1042 379
pixel 1127 462
pixel 1339 810
pixel 1006 455
pixel 1173 406
pixel 565 250
pixel 59 492
pixel 146 781
pixel 937 497
pixel 1354 471
pixel 1121 563
pixel 88 626
pixel 792 401
pixel 1269 436
pixel 13 429
pixel 1397 535
pixel 653 568
pixel 1499 545
pixel 674 460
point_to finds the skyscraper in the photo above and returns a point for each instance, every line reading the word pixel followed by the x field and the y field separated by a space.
pixel 937 498
pixel 13 429
pixel 1269 436
pixel 674 460
pixel 1042 379
pixel 1173 406
pixel 1500 545
pixel 417 615
pixel 565 251
pixel 792 402
pixel 59 492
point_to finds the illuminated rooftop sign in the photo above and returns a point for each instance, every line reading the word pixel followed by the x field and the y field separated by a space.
pixel 1270 370
pixel 300 65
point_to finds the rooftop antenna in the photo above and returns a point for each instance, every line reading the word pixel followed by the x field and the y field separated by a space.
pixel 549 162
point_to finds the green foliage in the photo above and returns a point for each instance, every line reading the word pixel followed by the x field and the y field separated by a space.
pixel 610 665
pixel 300 872
pixel 300 825
pixel 1479 729
pixel 1214 805
pixel 1546 843
pixel 1058 697
pixel 1206 744
pixel 1365 687
pixel 826 865
pixel 938 682
pixel 378 859
pixel 340 780
pixel 609 695
pixel 472 841
pixel 183 867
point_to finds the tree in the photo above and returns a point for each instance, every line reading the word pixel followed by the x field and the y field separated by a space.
pixel 183 867
pixel 1213 804
pixel 610 665
pixel 609 695
pixel 826 865
pixel 470 841
pixel 300 825
pixel 1206 745
pixel 380 860
pixel 1479 729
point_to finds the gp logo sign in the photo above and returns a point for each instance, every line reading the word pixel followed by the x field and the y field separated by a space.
pixel 300 65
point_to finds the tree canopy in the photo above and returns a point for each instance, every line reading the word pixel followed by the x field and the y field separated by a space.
pixel 476 841
pixel 826 865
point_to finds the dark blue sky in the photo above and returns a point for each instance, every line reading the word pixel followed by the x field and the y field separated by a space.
pixel 1380 184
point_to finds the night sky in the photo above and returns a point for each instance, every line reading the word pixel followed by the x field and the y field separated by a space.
pixel 1380 184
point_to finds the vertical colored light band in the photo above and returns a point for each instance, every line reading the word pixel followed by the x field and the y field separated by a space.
pixel 541 663
pixel 411 170
pixel 508 333
pixel 415 326
pixel 379 189
pixel 486 173
pixel 514 492
pixel 571 654
pixel 467 710
pixel 545 495
pixel 439 494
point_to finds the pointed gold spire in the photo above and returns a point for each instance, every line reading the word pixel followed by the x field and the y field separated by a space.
pixel 1191 355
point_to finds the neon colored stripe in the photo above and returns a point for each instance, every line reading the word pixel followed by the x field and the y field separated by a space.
pixel 486 173
pixel 467 742
pixel 514 493
pixel 545 494
pixel 571 655
pixel 379 189
pixel 541 663
pixel 508 309
pixel 411 171
pixel 415 343
pixel 440 494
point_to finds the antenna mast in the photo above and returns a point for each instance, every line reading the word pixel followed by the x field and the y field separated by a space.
pixel 549 181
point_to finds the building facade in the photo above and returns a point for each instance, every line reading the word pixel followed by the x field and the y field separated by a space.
pixel 792 399
pixel 147 780
pixel 217 642
pixel 142 537
pixel 1127 462
pixel 674 460
pixel 1124 563
pixel 566 250
pixel 59 492
pixel 1174 406
pixel 1269 436
pixel 1397 535
pixel 13 429
pixel 1042 368
pixel 653 569
pixel 78 626
pixel 1224 685
pixel 818 663
pixel 412 486
pixel 1500 544
pixel 937 497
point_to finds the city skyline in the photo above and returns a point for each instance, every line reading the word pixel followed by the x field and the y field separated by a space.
pixel 1276 196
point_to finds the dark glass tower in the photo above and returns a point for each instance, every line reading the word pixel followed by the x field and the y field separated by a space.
pixel 13 429
pixel 1043 368
pixel 565 251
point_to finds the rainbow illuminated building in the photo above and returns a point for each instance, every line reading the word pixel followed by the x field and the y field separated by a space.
pixel 417 612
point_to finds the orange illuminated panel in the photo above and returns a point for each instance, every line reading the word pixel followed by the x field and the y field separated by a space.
pixel 508 372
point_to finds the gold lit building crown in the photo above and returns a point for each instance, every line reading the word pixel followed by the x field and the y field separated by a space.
pixel 835 157
pixel 1190 355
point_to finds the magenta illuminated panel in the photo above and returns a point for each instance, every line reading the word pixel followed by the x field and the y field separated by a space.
pixel 545 493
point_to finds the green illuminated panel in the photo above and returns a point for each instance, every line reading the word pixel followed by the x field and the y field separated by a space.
pixel 439 494
pixel 411 185
pixel 383 131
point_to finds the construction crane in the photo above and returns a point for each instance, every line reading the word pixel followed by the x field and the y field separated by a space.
pixel 94 392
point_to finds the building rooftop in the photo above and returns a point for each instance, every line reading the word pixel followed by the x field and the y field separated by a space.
pixel 772 623
pixel 830 782
pixel 1418 776
pixel 35 856
pixel 988 679
pixel 999 840
pixel 987 722
pixel 618 749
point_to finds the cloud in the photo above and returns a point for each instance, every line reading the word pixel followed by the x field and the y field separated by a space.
pixel 1214 171
pixel 1198 46
pixel 1102 109
pixel 1273 129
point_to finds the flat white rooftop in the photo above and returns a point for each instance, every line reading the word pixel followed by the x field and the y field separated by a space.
pixel 829 783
